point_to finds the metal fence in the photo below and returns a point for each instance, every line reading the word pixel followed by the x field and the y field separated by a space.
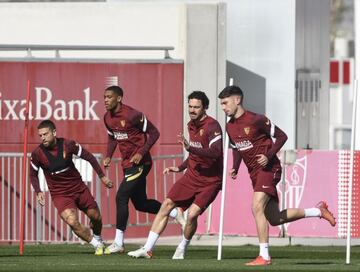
pixel 43 224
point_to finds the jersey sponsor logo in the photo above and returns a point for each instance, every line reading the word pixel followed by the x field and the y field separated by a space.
pixel 142 118
pixel 243 145
pixel 201 132
pixel 123 123
pixel 217 133
pixel 195 144
pixel 267 122
pixel 247 130
pixel 120 135
pixel 265 187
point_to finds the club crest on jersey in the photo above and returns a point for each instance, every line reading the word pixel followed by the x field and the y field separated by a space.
pixel 247 130
pixel 201 132
pixel 123 123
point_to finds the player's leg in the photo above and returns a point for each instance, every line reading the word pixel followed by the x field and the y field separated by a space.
pixel 142 203
pixel 190 228
pixel 259 202
pixel 158 226
pixel 264 184
pixel 122 214
pixel 178 192
pixel 277 217
pixel 70 217
pixel 96 226
pixel 87 203
pixel 139 197
pixel 68 211
pixel 203 198
pixel 95 220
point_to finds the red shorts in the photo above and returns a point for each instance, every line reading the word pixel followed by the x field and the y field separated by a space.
pixel 266 181
pixel 81 200
pixel 183 193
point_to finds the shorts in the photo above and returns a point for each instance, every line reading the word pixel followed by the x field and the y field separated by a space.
pixel 81 200
pixel 266 181
pixel 183 194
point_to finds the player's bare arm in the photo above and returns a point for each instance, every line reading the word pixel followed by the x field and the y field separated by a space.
pixel 41 198
pixel 167 170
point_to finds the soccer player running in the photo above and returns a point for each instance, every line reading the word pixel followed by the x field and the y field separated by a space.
pixel 200 184
pixel 68 192
pixel 251 139
pixel 135 135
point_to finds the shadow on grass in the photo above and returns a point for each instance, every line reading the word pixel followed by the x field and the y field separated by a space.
pixel 315 263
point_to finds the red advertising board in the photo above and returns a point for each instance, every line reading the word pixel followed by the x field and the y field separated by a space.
pixel 71 94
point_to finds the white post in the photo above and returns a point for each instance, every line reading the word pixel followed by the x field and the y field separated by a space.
pixel 223 193
pixel 353 135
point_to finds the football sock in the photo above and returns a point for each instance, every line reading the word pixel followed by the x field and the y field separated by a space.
pixel 184 243
pixel 97 237
pixel 119 237
pixel 95 243
pixel 173 213
pixel 151 241
pixel 312 212
pixel 264 251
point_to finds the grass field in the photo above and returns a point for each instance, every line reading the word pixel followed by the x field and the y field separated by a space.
pixel 79 258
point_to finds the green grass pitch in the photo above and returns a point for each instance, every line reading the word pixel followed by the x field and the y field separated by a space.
pixel 79 258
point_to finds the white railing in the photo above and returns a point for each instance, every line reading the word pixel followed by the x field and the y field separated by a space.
pixel 43 224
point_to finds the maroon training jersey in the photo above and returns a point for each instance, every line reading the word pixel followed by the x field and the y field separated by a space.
pixel 61 175
pixel 204 164
pixel 132 132
pixel 250 135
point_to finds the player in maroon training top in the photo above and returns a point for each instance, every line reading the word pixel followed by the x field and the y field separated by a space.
pixel 200 183
pixel 251 139
pixel 68 191
pixel 135 135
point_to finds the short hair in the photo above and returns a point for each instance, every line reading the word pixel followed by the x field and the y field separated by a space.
pixel 47 124
pixel 116 89
pixel 200 96
pixel 231 90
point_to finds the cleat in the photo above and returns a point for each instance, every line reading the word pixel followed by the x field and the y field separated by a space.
pixel 259 261
pixel 179 254
pixel 180 218
pixel 140 253
pixel 325 213
pixel 99 250
pixel 114 248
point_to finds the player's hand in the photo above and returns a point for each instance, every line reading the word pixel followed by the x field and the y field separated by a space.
pixel 41 198
pixel 107 161
pixel 136 158
pixel 167 170
pixel 183 141
pixel 233 173
pixel 262 160
pixel 107 182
